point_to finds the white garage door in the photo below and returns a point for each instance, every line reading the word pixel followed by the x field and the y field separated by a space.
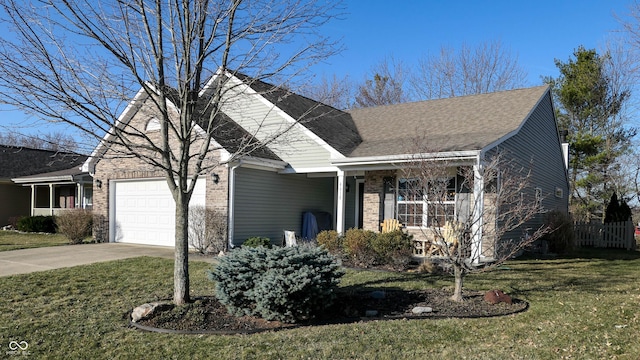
pixel 144 211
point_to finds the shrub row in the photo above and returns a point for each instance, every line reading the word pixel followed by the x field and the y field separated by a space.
pixel 40 224
pixel 286 284
pixel 367 248
pixel 75 224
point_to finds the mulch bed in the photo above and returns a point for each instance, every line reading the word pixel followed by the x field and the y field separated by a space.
pixel 207 315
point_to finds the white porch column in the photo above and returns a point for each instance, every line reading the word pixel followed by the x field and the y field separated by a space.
pixel 79 200
pixel 341 202
pixel 51 195
pixel 478 210
pixel 33 200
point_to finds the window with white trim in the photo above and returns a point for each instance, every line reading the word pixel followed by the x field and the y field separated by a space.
pixel 429 206
pixel 410 202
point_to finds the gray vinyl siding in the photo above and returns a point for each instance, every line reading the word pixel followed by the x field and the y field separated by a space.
pixel 16 202
pixel 537 147
pixel 350 204
pixel 267 203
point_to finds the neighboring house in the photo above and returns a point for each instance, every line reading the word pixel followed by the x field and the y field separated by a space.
pixel 341 164
pixel 39 182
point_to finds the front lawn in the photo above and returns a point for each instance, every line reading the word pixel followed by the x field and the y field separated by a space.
pixel 583 308
pixel 12 240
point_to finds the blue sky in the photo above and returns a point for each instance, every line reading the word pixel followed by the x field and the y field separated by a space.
pixel 536 31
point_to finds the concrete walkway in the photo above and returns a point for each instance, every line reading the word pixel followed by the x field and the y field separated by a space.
pixel 55 257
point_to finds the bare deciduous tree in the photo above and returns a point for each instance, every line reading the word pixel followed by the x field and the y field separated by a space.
pixel 336 92
pixel 475 217
pixel 81 62
pixel 385 85
pixel 489 67
pixel 56 141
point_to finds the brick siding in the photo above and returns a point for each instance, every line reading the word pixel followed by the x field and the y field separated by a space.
pixel 118 164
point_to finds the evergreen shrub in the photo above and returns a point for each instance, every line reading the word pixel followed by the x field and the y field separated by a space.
pixel 561 238
pixel 257 241
pixel 38 224
pixel 287 284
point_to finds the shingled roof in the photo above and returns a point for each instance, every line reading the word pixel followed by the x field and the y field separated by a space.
pixel 21 161
pixel 453 124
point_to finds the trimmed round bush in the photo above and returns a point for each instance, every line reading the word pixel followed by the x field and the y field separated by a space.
pixel 331 241
pixel 357 246
pixel 393 248
pixel 287 284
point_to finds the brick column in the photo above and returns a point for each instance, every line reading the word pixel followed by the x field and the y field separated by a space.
pixel 373 198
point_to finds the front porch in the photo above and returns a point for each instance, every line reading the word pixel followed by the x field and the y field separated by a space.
pixel 55 192
pixel 381 195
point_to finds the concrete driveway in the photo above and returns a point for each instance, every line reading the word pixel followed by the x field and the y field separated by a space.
pixel 55 257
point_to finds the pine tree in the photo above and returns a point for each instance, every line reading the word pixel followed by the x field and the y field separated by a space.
pixel 589 107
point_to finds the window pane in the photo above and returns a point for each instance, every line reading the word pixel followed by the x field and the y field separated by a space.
pixel 410 214
pixel 409 190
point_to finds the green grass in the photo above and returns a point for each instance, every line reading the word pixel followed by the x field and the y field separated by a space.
pixel 581 308
pixel 11 240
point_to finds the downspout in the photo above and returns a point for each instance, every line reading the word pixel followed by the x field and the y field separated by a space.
pixel 341 202
pixel 478 209
pixel 231 203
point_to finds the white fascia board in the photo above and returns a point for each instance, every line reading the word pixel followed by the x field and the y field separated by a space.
pixel 125 117
pixel 311 170
pixel 62 179
pixel 259 163
pixel 405 158
pixel 335 154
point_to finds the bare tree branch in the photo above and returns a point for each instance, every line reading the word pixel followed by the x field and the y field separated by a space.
pixel 80 63
pixel 489 67
pixel 474 216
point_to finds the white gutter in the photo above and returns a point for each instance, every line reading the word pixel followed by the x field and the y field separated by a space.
pixel 48 179
pixel 405 158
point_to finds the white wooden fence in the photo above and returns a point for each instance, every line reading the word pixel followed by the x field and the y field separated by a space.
pixel 611 235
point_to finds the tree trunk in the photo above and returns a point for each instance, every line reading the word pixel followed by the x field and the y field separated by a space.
pixel 459 277
pixel 181 261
